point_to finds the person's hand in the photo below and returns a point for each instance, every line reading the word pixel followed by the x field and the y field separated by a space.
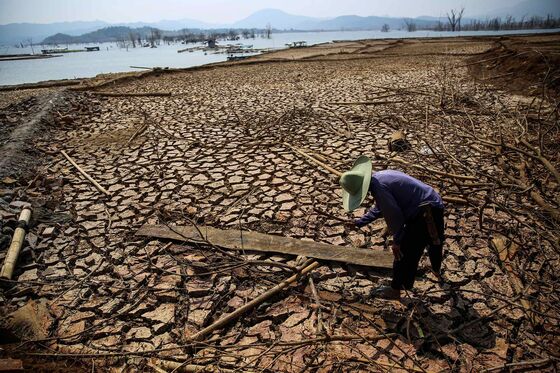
pixel 397 252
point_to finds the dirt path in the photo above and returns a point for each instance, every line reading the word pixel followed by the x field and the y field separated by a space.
pixel 18 156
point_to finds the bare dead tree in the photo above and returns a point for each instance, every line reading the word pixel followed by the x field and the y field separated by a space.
pixel 30 42
pixel 410 25
pixel 133 39
pixel 385 28
pixel 122 42
pixel 158 34
pixel 232 35
pixel 454 19
pixel 268 31
pixel 155 37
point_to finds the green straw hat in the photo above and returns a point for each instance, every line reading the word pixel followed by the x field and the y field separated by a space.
pixel 355 183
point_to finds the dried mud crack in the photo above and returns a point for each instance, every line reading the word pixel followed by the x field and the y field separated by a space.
pixel 219 152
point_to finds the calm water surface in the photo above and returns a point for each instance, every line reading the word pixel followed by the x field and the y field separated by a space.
pixel 111 58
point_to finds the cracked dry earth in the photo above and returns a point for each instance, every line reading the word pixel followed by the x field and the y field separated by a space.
pixel 214 153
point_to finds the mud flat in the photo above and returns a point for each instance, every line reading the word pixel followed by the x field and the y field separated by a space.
pixel 208 146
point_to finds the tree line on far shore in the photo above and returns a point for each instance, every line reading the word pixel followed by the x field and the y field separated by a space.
pixel 127 37
pixel 150 36
pixel 455 17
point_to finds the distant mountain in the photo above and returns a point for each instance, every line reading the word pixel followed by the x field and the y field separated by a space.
pixel 277 19
pixel 14 33
pixel 21 32
pixel 366 23
pixel 526 9
pixel 283 21
pixel 108 34
pixel 172 25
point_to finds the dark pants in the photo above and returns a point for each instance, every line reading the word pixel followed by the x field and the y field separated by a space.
pixel 415 239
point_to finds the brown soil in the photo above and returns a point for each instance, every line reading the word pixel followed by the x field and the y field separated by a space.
pixel 213 153
pixel 21 124
pixel 521 67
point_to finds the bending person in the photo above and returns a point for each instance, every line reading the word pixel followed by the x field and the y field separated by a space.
pixel 412 210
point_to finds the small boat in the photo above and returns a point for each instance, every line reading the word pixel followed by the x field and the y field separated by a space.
pixel 92 49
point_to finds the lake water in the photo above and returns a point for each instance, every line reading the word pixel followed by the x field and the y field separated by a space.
pixel 111 58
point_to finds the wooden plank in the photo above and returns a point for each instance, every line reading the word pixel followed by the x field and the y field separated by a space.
pixel 253 241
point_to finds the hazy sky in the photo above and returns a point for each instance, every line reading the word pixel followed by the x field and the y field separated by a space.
pixel 224 11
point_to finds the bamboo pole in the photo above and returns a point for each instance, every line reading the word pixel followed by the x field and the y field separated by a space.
pixel 308 267
pixel 455 200
pixel 136 134
pixel 325 166
pixel 95 183
pixel 15 247
pixel 441 173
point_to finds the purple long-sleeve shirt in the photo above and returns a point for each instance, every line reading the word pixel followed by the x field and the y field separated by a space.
pixel 397 199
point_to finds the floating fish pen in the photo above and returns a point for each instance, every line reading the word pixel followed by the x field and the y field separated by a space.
pixel 54 50
pixel 237 58
pixel 297 44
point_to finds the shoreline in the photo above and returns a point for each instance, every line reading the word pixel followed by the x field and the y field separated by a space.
pixel 60 82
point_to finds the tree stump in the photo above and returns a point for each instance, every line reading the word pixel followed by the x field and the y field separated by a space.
pixel 398 142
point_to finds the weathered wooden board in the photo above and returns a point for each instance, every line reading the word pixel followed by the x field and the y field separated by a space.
pixel 253 241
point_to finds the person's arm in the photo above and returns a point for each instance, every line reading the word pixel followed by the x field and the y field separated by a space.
pixel 391 212
pixel 371 215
